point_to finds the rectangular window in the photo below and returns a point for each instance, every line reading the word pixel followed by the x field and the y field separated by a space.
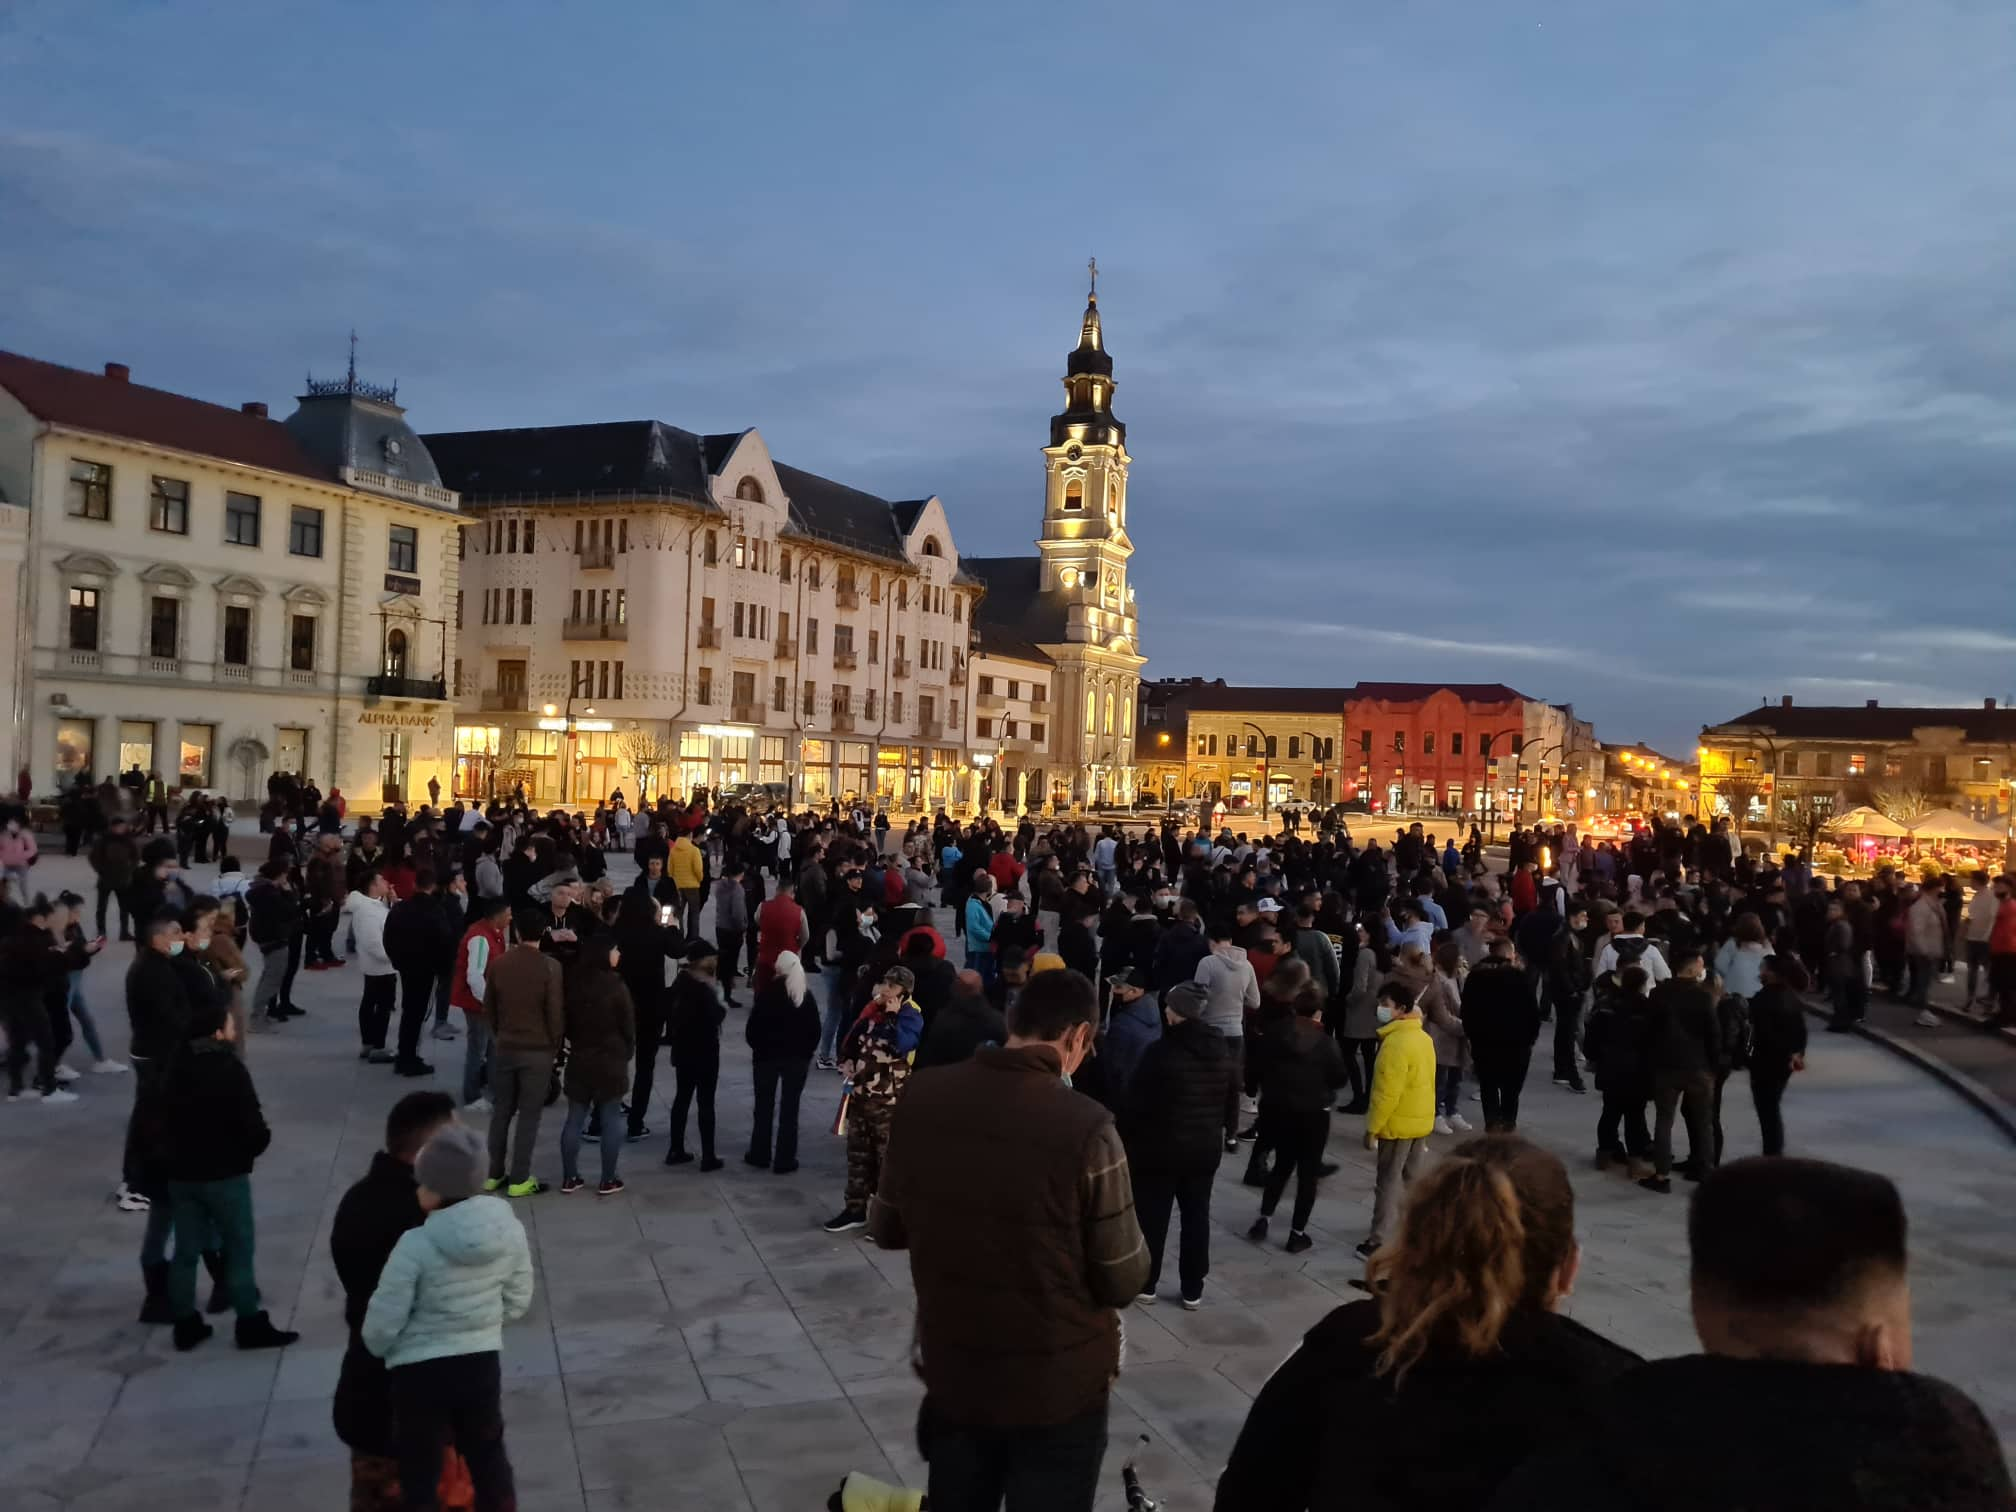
pixel 1271 747
pixel 1036 733
pixel 579 527
pixel 986 685
pixel 811 697
pixel 168 506
pixel 623 534
pixel 780 694
pixel 713 556
pixel 510 607
pixel 195 765
pixel 1200 745
pixel 1294 746
pixel 743 690
pixel 616 682
pixel 896 707
pixel 874 646
pixel 738 619
pixel 1789 764
pixel 1428 743
pixel 510 535
pixel 784 564
pixel 1455 742
pixel 402 549
pixel 1214 745
pixel 164 627
pixel 301 643
pixel 136 744
pixel 83 619
pixel 983 727
pixel 574 678
pixel 704 694
pixel 706 613
pixel 811 637
pixel 237 636
pixel 90 492
pixel 602 679
pixel 843 639
pixel 528 538
pixel 1399 742
pixel 812 573
pixel 1858 764
pixel 304 531
pixel 458 608
pixel 524 606
pixel 622 607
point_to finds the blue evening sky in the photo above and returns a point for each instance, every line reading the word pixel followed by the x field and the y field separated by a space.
pixel 1654 356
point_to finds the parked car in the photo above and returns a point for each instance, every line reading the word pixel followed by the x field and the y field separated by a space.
pixel 757 797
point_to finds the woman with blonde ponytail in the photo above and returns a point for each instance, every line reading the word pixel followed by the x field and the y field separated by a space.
pixel 1459 1367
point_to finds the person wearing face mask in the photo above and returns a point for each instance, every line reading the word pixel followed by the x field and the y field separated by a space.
pixel 1021 1252
pixel 215 945
pixel 1402 1111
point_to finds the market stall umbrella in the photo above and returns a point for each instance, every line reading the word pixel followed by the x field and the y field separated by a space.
pixel 1867 821
pixel 1951 824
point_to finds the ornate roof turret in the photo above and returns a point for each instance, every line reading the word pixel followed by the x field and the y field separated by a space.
pixel 1088 384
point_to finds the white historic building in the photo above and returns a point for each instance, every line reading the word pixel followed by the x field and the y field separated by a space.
pixel 648 608
pixel 214 595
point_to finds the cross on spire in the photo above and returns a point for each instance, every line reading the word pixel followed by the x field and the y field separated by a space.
pixel 1092 267
pixel 353 356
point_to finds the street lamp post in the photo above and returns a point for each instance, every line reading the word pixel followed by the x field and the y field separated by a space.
pixel 1315 759
pixel 572 734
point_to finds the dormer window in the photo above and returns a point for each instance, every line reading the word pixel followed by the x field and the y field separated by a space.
pixel 749 489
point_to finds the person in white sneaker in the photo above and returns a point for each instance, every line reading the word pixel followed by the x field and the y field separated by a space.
pixel 1403 1106
pixel 33 978
pixel 79 951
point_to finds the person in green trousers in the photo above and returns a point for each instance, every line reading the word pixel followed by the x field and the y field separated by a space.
pixel 213 1131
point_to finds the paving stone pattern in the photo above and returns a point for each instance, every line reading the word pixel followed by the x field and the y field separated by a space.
pixel 698 1342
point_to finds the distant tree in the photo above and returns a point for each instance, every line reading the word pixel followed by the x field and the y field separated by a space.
pixel 646 753
pixel 1738 794
pixel 1804 818
pixel 1902 802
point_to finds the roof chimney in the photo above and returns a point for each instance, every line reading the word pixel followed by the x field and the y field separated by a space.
pixel 118 372
pixel 1870 704
pixel 254 407
pixel 1987 703
pixel 1785 702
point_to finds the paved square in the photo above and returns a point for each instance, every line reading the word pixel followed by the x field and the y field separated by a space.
pixel 698 1342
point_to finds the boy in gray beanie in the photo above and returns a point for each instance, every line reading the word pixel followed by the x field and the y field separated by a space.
pixel 437 1320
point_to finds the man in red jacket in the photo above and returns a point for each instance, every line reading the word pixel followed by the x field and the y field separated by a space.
pixel 780 926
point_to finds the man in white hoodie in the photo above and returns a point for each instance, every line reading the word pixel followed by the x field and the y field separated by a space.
pixel 366 909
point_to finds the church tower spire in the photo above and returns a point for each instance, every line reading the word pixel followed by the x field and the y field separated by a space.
pixel 1088 383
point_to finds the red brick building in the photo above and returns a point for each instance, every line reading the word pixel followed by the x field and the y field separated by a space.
pixel 1426 747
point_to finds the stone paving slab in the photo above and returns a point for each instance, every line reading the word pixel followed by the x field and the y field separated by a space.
pixel 697 1341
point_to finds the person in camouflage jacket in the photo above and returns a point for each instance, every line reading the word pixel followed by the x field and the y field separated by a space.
pixel 875 1058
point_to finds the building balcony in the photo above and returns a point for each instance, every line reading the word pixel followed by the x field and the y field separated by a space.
pixel 406 687
pixel 233 672
pixel 505 700
pixel 843 721
pixel 899 668
pixel 846 597
pixel 786 650
pixel 958 677
pixel 373 481
pixel 845 661
pixel 300 677
pixel 930 729
pixel 160 666
pixel 710 637
pixel 991 701
pixel 746 713
pixel 597 558
pixel 595 629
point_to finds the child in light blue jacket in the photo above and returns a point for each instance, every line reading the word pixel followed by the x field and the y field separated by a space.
pixel 437 1320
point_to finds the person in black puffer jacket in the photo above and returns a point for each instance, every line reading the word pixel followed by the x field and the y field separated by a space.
pixel 693 1024
pixel 1172 1121
pixel 966 1022
pixel 34 979
pixel 646 946
pixel 1778 1043
pixel 782 1033
pixel 1616 1041
pixel 1432 1393
pixel 1501 1020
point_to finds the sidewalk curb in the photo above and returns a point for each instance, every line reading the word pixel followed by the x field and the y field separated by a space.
pixel 1997 1112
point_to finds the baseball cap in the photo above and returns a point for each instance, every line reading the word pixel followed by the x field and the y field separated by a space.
pixel 1268 905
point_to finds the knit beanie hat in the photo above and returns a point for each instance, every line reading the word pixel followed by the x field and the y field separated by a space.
pixel 453 1162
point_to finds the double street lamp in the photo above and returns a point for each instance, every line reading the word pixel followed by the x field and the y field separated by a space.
pixel 567 725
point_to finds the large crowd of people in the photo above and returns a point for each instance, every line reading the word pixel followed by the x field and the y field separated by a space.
pixel 1028 1104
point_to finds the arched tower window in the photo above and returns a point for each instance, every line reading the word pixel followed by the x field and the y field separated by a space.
pixel 1091 712
pixel 1113 498
pixel 932 548
pixel 1109 713
pixel 1074 494
pixel 749 489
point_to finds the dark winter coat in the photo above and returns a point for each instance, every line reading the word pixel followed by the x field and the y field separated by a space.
pixel 158 1005
pixel 33 966
pixel 1499 1010
pixel 693 1020
pixel 1176 956
pixel 601 1035
pixel 273 914
pixel 937 979
pixel 369 1220
pixel 1686 1030
pixel 1327 1433
pixel 1617 1039
pixel 1768 1436
pixel 1302 1069
pixel 962 1026
pixel 779 1029
pixel 212 1127
pixel 1172 1115
pixel 1778 1029
pixel 419 932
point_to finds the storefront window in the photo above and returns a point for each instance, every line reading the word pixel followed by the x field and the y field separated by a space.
pixel 73 751
pixel 476 761
pixel 695 770
pixel 195 766
pixel 815 771
pixel 136 744
pixel 854 777
pixel 770 759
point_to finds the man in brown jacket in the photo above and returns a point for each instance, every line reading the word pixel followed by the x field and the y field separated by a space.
pixel 528 1017
pixel 1012 1194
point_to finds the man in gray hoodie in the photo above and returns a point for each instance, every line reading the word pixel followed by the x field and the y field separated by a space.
pixel 1231 990
pixel 731 922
